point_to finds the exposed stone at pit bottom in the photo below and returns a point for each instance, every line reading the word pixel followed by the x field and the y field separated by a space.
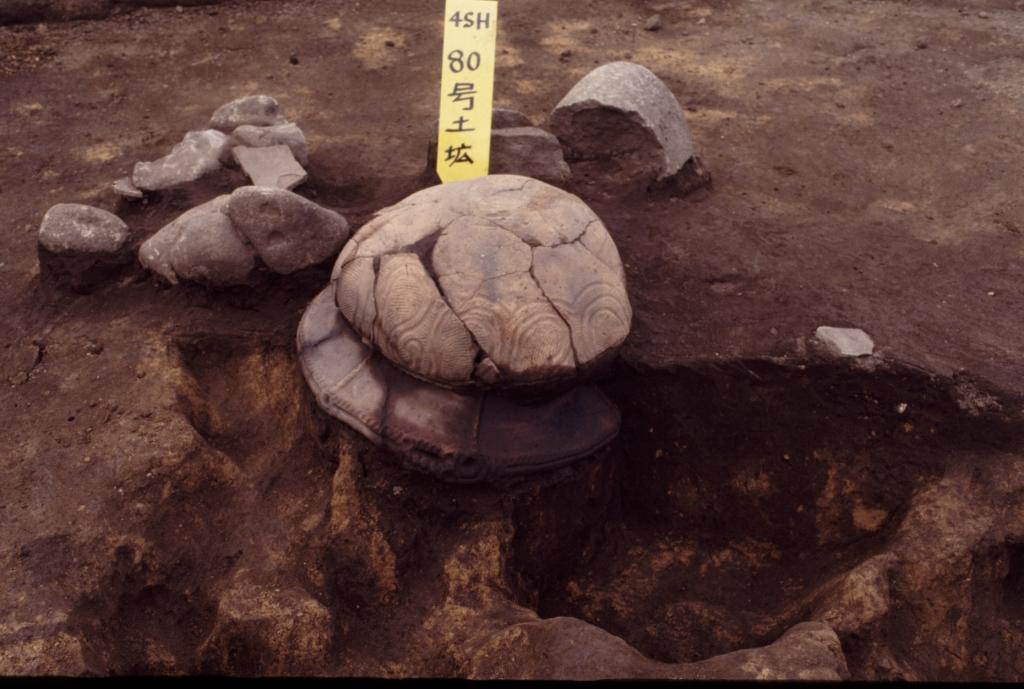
pixel 565 648
pixel 267 629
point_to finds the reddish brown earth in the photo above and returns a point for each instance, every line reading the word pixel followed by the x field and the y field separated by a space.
pixel 174 502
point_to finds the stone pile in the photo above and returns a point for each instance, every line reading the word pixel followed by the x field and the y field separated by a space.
pixel 251 132
pixel 219 242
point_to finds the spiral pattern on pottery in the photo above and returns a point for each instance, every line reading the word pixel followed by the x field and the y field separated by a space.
pixel 520 336
pixel 600 318
pixel 416 329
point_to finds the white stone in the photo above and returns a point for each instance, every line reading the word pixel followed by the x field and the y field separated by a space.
pixel 845 341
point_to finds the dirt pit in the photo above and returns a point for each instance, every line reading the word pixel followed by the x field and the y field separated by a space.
pixel 175 502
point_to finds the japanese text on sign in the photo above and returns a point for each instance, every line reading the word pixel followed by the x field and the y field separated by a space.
pixel 467 89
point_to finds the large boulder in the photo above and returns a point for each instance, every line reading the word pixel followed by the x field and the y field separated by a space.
pixel 288 231
pixel 200 246
pixel 624 116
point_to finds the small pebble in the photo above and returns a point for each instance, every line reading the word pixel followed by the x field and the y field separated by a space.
pixel 653 23
pixel 94 348
pixel 921 44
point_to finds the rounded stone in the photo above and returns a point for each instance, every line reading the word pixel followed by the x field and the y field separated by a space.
pixel 80 247
pixel 497 282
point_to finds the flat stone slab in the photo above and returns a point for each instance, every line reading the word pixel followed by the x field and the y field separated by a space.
pixel 79 246
pixel 288 231
pixel 258 110
pixel 623 111
pixel 272 166
pixel 851 342
pixel 200 246
pixel 287 134
pixel 198 154
pixel 463 437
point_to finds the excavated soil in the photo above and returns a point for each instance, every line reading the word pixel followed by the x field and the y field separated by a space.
pixel 174 501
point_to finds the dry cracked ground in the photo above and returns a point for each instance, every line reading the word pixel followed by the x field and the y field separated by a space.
pixel 174 502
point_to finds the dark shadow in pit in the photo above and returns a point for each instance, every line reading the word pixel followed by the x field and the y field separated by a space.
pixel 740 489
pixel 236 500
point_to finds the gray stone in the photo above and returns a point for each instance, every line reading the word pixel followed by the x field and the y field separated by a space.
pixel 259 111
pixel 517 147
pixel 124 187
pixel 198 154
pixel 80 246
pixel 506 118
pixel 845 341
pixel 530 152
pixel 273 166
pixel 200 246
pixel 622 112
pixel 653 23
pixel 76 228
pixel 260 137
pixel 287 231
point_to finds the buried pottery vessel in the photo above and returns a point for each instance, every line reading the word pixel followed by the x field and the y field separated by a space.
pixel 461 325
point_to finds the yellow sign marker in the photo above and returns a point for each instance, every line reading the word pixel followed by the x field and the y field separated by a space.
pixel 467 89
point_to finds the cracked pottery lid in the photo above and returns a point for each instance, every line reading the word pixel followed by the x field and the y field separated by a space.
pixel 493 283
